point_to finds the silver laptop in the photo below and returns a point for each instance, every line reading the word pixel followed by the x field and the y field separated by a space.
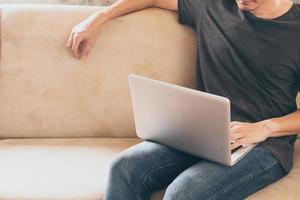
pixel 192 121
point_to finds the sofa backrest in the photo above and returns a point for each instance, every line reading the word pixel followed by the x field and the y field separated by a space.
pixel 46 92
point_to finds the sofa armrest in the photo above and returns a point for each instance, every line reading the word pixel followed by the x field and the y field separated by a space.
pixel 46 92
pixel 298 105
pixel 298 100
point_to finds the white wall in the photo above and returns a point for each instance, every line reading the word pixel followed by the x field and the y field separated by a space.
pixel 84 2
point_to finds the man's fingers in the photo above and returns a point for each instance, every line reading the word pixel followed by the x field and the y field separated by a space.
pixel 70 40
pixel 235 129
pixel 85 50
pixel 233 146
pixel 237 143
pixel 75 46
pixel 234 123
pixel 85 54
pixel 234 137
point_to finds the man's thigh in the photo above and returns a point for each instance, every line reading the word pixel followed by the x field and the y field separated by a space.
pixel 208 180
pixel 151 166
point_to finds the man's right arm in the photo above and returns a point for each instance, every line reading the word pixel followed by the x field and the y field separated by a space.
pixel 123 7
pixel 84 35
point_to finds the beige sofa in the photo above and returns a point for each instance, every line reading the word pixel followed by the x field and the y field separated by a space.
pixel 62 119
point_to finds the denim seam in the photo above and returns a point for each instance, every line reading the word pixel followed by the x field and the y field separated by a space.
pixel 241 181
pixel 153 171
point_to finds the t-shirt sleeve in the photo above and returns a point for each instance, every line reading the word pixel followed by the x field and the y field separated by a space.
pixel 187 11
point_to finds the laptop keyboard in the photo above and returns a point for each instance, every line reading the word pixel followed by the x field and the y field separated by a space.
pixel 235 149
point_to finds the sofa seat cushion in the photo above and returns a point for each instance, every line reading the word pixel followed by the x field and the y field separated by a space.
pixel 56 169
pixel 77 169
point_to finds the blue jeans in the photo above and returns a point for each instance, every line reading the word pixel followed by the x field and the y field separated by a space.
pixel 147 167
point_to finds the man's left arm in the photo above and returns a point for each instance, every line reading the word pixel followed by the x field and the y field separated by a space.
pixel 243 133
pixel 286 125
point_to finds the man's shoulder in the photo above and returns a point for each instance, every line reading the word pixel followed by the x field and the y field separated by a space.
pixel 222 5
pixel 294 14
pixel 297 9
pixel 205 4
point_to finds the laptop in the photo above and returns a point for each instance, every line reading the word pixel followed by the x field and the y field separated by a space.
pixel 189 120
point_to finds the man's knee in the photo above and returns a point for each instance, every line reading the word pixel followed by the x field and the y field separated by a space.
pixel 130 169
pixel 182 189
pixel 121 165
pixel 136 159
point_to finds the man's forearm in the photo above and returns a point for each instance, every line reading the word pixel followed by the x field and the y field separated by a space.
pixel 286 125
pixel 123 7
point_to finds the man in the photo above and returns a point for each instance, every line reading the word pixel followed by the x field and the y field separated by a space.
pixel 248 51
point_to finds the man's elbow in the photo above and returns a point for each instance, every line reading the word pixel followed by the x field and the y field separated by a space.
pixel 166 4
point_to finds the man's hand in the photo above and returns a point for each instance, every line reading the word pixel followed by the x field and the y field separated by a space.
pixel 83 37
pixel 244 133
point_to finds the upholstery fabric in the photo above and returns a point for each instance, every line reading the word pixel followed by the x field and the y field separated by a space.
pixel 71 169
pixel 47 93
pixel 56 169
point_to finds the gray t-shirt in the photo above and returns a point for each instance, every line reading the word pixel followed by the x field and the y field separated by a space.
pixel 254 62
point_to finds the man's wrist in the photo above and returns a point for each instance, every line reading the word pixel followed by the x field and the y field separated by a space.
pixel 272 126
pixel 101 18
pixel 97 20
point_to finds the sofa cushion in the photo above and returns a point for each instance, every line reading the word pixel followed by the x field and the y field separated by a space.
pixel 56 168
pixel 77 168
pixel 287 187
